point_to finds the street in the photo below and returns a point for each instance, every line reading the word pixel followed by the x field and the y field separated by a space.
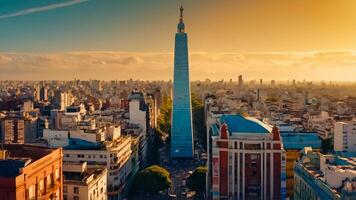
pixel 180 169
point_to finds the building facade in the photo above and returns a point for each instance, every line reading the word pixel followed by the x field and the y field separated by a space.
pixel 345 136
pixel 328 177
pixel 293 143
pixel 30 172
pixel 182 128
pixel 114 155
pixel 83 183
pixel 13 130
pixel 245 160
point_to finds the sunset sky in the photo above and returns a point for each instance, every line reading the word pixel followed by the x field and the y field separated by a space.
pixel 120 39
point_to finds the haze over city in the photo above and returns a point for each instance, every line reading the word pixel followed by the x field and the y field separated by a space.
pixel 90 39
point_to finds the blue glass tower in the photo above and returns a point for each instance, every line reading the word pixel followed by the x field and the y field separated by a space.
pixel 182 129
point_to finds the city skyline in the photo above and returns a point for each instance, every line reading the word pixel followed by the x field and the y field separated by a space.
pixel 301 40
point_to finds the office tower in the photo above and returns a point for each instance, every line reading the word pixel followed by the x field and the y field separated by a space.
pixel 345 136
pixel 240 81
pixel 30 172
pixel 245 160
pixel 182 128
pixel 261 81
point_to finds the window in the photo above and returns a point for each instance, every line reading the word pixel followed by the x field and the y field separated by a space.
pixel 65 189
pixel 32 192
pixel 65 197
pixel 41 185
pixel 57 177
pixel 75 198
pixel 49 181
pixel 76 190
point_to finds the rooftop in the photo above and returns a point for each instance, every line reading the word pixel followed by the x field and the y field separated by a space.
pixel 239 124
pixel 79 144
pixel 19 156
pixel 11 167
pixel 298 141
pixel 82 177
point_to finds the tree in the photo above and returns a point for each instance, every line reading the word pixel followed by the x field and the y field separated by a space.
pixel 164 119
pixel 153 147
pixel 151 181
pixel 197 180
pixel 199 120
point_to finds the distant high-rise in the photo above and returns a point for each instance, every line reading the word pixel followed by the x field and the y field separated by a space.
pixel 182 128
pixel 12 130
pixel 240 81
pixel 43 94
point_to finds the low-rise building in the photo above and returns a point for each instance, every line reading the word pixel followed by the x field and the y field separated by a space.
pixel 293 143
pixel 80 182
pixel 114 155
pixel 327 177
pixel 30 172
pixel 246 160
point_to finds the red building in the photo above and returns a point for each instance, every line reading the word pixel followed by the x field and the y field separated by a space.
pixel 30 172
pixel 245 160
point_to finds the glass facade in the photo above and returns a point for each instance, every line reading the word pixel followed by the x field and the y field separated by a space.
pixel 182 130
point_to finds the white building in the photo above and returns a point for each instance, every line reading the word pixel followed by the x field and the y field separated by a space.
pixel 83 183
pixel 138 110
pixel 322 124
pixel 345 136
pixel 56 138
pixel 115 155
pixel 329 177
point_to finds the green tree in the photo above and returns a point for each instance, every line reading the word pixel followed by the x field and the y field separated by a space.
pixel 156 143
pixel 197 180
pixel 199 120
pixel 151 181
pixel 164 119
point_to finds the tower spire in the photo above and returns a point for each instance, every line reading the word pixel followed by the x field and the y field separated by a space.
pixel 181 12
pixel 181 25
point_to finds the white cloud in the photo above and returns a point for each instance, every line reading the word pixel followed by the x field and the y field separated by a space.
pixel 41 9
pixel 109 65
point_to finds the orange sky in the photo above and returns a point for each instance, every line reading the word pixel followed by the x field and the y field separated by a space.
pixel 270 39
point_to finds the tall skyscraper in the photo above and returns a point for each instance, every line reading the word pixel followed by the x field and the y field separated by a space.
pixel 182 128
